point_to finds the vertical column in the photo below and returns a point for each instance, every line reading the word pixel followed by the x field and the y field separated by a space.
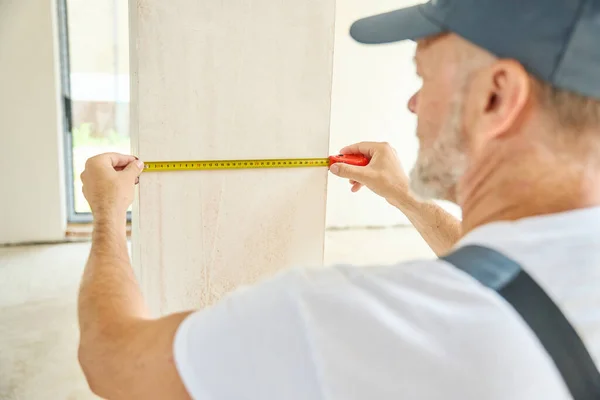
pixel 236 79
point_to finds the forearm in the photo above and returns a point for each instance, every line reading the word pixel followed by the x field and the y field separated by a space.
pixel 440 229
pixel 123 353
pixel 109 296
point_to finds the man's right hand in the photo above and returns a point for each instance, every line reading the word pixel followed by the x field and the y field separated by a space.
pixel 383 175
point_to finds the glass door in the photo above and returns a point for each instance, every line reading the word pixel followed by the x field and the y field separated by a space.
pixel 95 78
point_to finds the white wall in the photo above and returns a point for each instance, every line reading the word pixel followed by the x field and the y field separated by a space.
pixel 371 87
pixel 32 201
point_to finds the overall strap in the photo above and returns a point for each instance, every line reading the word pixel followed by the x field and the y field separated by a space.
pixel 545 319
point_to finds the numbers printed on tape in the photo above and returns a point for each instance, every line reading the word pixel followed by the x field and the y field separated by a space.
pixel 158 166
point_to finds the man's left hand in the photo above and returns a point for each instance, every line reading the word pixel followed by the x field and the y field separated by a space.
pixel 108 183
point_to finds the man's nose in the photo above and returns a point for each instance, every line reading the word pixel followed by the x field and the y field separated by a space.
pixel 412 103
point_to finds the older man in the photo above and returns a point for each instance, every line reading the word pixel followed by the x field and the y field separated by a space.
pixel 509 129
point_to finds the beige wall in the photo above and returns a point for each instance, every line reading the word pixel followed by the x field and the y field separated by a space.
pixel 32 201
pixel 371 87
pixel 94 32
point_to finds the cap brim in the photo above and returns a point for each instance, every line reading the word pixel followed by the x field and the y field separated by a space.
pixel 405 24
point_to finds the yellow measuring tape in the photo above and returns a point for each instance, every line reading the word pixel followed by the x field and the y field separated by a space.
pixel 158 166
pixel 353 159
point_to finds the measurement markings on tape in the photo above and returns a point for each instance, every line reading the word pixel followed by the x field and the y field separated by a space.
pixel 234 164
pixel 158 166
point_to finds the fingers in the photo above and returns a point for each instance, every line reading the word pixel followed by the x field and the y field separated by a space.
pixel 109 160
pixel 119 160
pixel 353 172
pixel 367 149
pixel 133 170
pixel 356 187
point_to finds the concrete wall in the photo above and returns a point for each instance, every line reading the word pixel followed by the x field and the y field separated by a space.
pixel 32 201
pixel 371 86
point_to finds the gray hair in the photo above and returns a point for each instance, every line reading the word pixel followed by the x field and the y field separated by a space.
pixel 569 110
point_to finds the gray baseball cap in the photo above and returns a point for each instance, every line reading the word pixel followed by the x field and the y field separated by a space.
pixel 556 40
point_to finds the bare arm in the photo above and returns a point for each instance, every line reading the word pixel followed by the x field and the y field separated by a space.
pixel 124 353
pixel 384 176
pixel 440 229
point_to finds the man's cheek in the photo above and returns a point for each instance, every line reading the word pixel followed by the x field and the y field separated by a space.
pixel 427 128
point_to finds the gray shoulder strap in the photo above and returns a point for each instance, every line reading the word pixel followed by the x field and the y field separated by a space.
pixel 545 319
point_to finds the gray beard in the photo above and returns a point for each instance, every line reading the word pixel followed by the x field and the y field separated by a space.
pixel 439 168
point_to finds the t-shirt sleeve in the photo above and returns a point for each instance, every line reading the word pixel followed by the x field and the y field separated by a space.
pixel 251 345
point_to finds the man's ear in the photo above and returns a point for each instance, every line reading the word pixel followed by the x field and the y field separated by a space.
pixel 502 91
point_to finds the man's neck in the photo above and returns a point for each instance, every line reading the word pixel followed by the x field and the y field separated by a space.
pixel 511 186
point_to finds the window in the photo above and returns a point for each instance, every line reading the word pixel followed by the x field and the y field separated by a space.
pixel 95 76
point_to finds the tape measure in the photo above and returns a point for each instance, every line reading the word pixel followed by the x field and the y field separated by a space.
pixel 158 166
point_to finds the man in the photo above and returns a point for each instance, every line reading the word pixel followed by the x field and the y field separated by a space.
pixel 509 129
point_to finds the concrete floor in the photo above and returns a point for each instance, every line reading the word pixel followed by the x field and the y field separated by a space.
pixel 38 325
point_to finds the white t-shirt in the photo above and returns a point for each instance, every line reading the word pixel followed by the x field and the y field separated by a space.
pixel 415 330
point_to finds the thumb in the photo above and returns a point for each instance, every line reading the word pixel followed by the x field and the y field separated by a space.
pixel 134 169
pixel 354 172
